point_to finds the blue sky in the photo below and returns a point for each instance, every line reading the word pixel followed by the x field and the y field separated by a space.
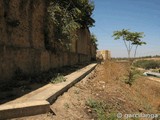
pixel 136 15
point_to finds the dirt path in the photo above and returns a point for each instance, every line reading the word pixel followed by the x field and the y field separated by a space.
pixel 105 85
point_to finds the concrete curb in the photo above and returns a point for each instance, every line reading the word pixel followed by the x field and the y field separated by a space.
pixel 71 81
pixel 38 102
pixel 24 109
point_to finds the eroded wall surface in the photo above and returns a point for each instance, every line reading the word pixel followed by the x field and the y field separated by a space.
pixel 22 40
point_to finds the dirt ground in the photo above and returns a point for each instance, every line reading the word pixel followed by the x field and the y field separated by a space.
pixel 106 84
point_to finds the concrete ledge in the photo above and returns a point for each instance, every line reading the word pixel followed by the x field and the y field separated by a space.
pixel 51 93
pixel 38 102
pixel 71 80
pixel 23 109
pixel 154 74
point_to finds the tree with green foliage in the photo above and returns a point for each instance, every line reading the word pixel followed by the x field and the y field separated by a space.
pixel 124 34
pixel 67 16
pixel 138 42
pixel 130 39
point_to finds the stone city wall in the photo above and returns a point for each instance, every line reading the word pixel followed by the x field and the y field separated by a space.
pixel 22 40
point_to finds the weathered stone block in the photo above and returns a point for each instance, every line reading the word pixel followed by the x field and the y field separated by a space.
pixel 6 64
pixel 38 13
pixel 45 61
pixel 3 34
pixel 18 35
pixel 72 58
pixel 83 41
pixel 64 58
pixel 83 58
pixel 24 60
pixel 54 60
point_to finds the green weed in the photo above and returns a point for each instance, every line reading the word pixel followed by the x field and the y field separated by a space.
pixel 66 105
pixel 98 107
pixel 58 79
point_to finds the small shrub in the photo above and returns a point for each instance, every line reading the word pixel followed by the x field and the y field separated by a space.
pixel 132 75
pixel 66 105
pixel 98 107
pixel 92 103
pixel 147 107
pixel 76 92
pixel 112 116
pixel 58 79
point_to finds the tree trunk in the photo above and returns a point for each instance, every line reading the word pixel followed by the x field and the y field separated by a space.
pixel 129 54
pixel 135 51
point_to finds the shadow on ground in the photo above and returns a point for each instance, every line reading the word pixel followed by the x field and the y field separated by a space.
pixel 22 84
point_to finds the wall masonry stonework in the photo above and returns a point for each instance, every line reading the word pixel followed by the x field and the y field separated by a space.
pixel 22 41
pixel 103 54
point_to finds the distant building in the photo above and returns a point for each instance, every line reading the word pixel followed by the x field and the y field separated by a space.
pixel 103 55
